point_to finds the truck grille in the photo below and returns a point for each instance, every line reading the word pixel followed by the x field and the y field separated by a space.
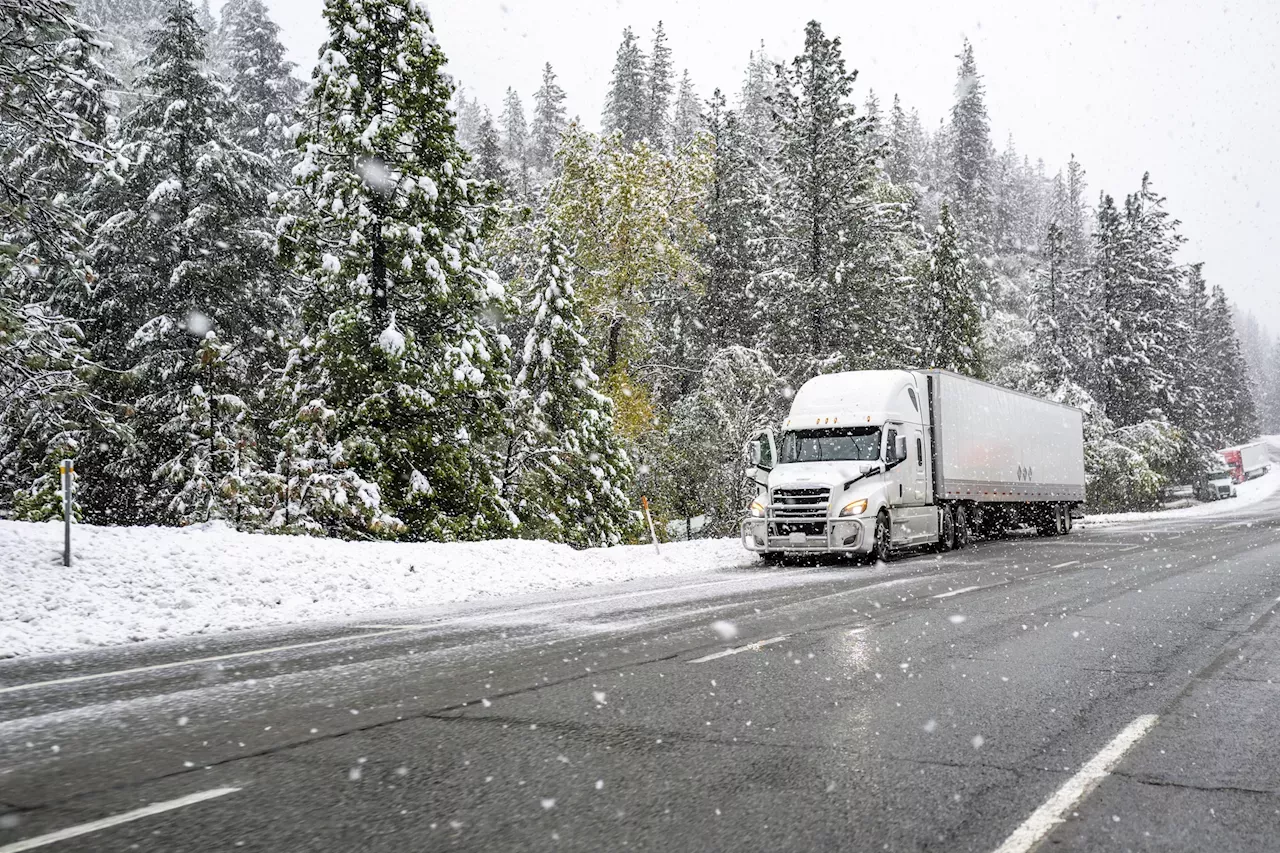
pixel 801 503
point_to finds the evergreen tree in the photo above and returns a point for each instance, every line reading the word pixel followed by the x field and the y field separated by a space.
pixel 900 163
pixel 688 121
pixel 1139 301
pixel 954 341
pixel 470 115
pixel 261 81
pixel 180 250
pixel 740 220
pixel 564 461
pixel 970 154
pixel 549 121
pixel 489 156
pixel 831 284
pixel 515 138
pixel 384 228
pixel 627 104
pixel 52 124
pixel 1232 414
pixel 658 90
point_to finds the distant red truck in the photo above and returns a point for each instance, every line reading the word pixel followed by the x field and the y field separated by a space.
pixel 1246 461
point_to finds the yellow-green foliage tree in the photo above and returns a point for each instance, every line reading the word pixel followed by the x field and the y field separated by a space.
pixel 630 216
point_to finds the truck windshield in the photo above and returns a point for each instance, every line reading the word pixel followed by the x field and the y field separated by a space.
pixel 829 445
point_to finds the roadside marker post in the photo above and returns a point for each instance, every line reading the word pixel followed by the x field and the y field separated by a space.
pixel 68 468
pixel 653 534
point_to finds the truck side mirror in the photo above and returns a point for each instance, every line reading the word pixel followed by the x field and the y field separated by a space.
pixel 900 451
pixel 753 449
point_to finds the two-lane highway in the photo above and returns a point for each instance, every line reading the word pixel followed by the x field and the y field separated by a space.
pixel 1113 689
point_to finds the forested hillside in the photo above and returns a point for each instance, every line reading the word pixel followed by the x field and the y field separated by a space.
pixel 370 306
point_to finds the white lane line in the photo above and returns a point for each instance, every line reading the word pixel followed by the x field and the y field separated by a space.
pixel 192 661
pixel 955 592
pixel 1064 565
pixel 724 654
pixel 115 820
pixel 1054 810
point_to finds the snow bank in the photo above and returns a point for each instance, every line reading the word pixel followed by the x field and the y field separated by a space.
pixel 1250 492
pixel 142 583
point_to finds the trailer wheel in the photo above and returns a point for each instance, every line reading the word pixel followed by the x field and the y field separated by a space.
pixel 947 537
pixel 882 544
pixel 962 534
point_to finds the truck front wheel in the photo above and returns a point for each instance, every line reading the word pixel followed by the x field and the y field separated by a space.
pixel 882 544
pixel 947 536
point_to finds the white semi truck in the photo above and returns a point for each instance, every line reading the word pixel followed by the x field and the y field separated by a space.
pixel 876 461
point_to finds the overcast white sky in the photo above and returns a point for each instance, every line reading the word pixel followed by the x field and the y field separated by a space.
pixel 1187 89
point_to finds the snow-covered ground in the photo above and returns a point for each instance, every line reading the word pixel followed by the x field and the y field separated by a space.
pixel 1251 492
pixel 141 583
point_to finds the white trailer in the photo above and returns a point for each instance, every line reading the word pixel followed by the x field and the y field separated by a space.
pixel 878 461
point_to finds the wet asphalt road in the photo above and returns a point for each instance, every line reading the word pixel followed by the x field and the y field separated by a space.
pixel 932 704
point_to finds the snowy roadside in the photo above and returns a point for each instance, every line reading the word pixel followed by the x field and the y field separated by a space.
pixel 1251 492
pixel 131 584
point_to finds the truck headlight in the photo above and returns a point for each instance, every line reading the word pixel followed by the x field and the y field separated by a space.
pixel 857 507
pixel 757 509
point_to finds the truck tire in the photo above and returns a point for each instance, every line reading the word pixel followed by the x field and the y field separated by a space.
pixel 961 525
pixel 773 558
pixel 947 535
pixel 882 544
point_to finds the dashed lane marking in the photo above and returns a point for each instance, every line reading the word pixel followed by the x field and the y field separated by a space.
pixel 955 592
pixel 751 647
pixel 1044 819
pixel 1064 565
pixel 114 820
pixel 74 679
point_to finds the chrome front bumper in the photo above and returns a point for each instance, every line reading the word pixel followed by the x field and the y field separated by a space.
pixel 838 536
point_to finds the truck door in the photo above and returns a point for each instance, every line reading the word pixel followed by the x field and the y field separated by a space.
pixel 897 458
pixel 919 472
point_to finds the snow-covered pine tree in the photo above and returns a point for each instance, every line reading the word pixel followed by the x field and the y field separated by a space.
pixel 262 86
pixel 755 106
pixel 204 17
pixel 971 188
pixel 489 165
pixel 215 472
pixel 688 121
pixel 54 117
pixel 549 121
pixel 515 139
pixel 955 328
pixel 470 115
pixel 627 103
pixel 900 163
pixel 180 249
pixel 658 88
pixel 566 466
pixel 384 227
pixel 831 285
pixel 1195 371
pixel 125 25
pixel 1139 300
pixel 736 213
pixel 1232 415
